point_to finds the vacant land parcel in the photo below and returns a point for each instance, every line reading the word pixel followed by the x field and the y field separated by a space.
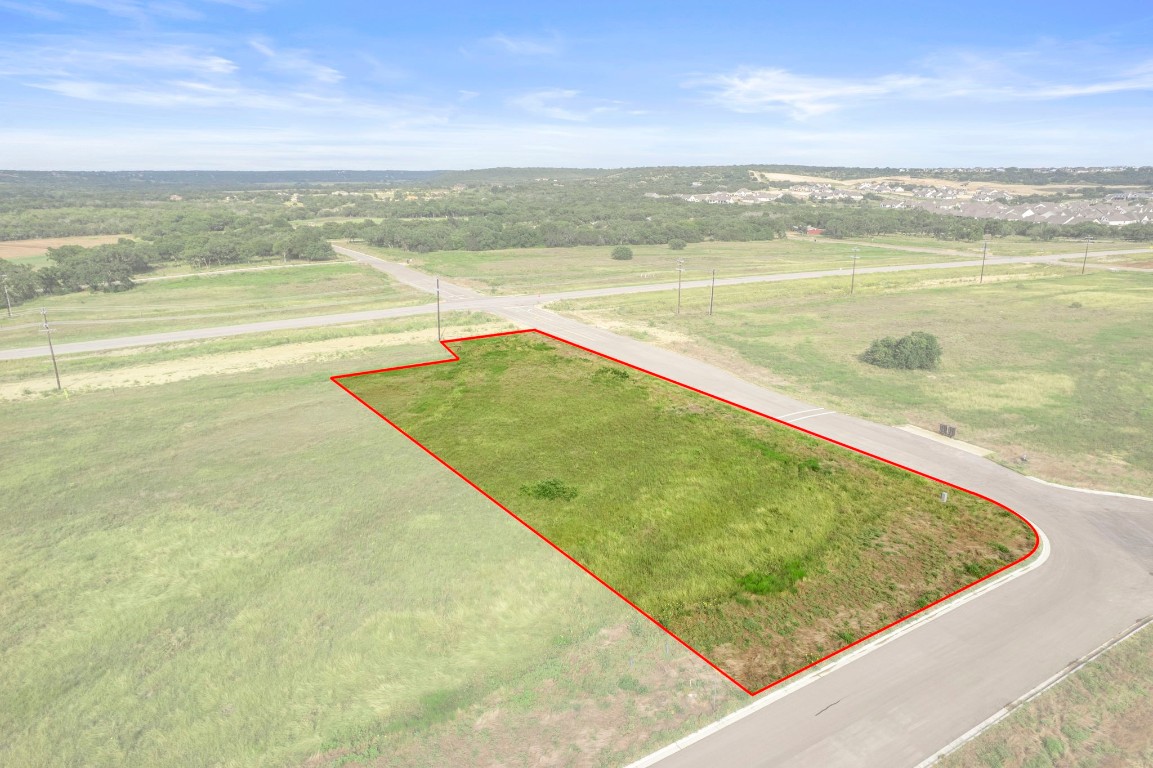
pixel 246 569
pixel 763 548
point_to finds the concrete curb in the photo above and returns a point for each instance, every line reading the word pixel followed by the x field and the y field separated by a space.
pixel 1088 490
pixel 839 661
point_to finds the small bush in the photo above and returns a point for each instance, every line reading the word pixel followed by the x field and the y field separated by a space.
pixel 620 374
pixel 677 244
pixel 622 253
pixel 918 350
pixel 770 583
pixel 1054 747
pixel 550 489
pixel 630 683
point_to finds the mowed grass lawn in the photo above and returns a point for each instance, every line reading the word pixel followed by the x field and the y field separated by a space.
pixel 253 570
pixel 207 300
pixel 1037 361
pixel 762 547
pixel 534 270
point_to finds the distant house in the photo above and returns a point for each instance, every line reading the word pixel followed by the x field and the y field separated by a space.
pixel 814 231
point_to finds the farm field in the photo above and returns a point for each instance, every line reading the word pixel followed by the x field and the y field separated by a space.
pixel 1039 360
pixel 1096 718
pixel 761 547
pixel 207 300
pixel 246 568
pixel 529 270
pixel 32 252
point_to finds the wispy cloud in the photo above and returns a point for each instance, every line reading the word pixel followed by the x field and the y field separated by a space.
pixel 559 104
pixel 61 56
pixel 522 46
pixel 801 96
pixel 142 10
pixel 548 103
pixel 295 62
pixel 36 10
pixel 756 90
pixel 255 76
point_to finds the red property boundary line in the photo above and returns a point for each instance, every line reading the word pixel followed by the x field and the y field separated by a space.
pixel 454 358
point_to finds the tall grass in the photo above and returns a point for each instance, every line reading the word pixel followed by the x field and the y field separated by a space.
pixel 753 542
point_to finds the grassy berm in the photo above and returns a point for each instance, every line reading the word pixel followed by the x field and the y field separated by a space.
pixel 762 547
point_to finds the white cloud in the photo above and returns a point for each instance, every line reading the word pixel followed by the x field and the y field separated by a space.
pixel 296 62
pixel 756 90
pixel 522 46
pixel 548 103
pixel 36 10
pixel 57 56
pixel 142 10
pixel 558 104
pixel 763 90
pixel 254 77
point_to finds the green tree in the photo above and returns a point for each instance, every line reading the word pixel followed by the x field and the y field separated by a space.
pixel 20 279
pixel 677 244
pixel 622 253
pixel 918 350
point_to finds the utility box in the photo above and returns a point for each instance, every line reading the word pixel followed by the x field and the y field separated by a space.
pixel 948 430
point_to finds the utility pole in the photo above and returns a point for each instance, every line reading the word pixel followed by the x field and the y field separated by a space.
pixel 680 271
pixel 7 298
pixel 984 253
pixel 853 281
pixel 51 349
pixel 712 291
pixel 1085 261
pixel 438 336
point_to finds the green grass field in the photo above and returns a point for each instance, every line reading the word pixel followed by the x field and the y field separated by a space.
pixel 762 547
pixel 1039 361
pixel 207 300
pixel 1004 246
pixel 254 570
pixel 1097 718
pixel 533 270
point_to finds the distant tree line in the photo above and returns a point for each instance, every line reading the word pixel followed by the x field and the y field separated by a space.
pixel 112 267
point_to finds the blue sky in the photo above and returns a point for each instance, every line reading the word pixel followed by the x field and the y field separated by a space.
pixel 265 84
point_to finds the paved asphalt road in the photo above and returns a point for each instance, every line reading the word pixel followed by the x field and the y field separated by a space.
pixel 459 298
pixel 905 700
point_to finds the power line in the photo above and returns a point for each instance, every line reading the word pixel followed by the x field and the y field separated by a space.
pixel 51 349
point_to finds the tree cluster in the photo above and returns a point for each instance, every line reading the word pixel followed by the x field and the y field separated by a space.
pixel 917 351
pixel 111 267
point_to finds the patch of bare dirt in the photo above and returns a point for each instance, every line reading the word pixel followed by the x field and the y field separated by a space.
pixel 19 249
